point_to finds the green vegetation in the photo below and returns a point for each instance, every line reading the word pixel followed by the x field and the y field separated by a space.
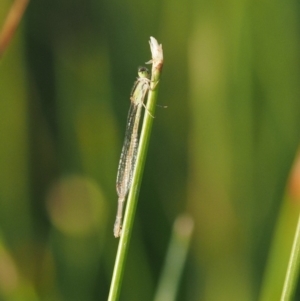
pixel 221 152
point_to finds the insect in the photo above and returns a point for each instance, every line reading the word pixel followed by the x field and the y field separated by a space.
pixel 131 142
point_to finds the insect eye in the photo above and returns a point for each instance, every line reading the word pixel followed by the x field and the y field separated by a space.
pixel 143 70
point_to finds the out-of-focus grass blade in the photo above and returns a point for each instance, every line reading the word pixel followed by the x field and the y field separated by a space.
pixel 293 267
pixel 11 23
pixel 176 256
pixel 283 261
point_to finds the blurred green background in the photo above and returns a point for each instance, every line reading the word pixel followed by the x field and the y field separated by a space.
pixel 222 150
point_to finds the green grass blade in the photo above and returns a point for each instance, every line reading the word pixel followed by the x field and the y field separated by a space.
pixel 293 267
pixel 136 182
pixel 278 274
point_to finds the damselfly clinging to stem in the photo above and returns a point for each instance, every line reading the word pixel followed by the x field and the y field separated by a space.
pixel 131 142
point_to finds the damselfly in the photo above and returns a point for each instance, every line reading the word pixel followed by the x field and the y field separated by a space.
pixel 131 142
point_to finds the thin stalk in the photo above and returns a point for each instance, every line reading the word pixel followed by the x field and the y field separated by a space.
pixel 157 62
